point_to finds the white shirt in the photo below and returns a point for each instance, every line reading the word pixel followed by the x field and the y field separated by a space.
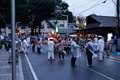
pixel 50 46
pixel 25 44
pixel 101 45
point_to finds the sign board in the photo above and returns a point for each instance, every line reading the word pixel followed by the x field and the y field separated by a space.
pixel 36 29
pixel 56 27
pixel 24 30
pixel 42 30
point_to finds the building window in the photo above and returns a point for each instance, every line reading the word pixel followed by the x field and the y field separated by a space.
pixel 42 27
pixel 71 27
pixel 49 26
pixel 9 27
pixel 22 27
pixel 61 25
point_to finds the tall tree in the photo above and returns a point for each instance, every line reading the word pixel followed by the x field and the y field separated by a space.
pixel 33 10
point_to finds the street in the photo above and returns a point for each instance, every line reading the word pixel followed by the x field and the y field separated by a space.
pixel 42 69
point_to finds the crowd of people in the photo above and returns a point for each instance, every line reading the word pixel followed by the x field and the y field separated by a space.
pixel 93 47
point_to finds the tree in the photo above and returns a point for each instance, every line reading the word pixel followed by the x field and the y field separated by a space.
pixel 33 11
pixel 4 12
pixel 62 8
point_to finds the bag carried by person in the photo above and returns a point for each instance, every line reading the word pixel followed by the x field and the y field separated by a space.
pixel 64 51
pixel 38 44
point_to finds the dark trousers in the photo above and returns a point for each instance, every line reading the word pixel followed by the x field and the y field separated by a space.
pixel 5 46
pixel 38 50
pixel 33 48
pixel 89 57
pixel 61 53
pixel 73 60
pixel 68 50
pixel 65 48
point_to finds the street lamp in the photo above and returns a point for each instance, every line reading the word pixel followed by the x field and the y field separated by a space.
pixel 17 23
pixel 67 24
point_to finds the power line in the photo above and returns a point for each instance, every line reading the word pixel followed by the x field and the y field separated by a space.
pixel 3 18
pixel 84 4
pixel 92 7
pixel 94 4
pixel 114 2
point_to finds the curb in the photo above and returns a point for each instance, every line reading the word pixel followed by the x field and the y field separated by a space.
pixel 20 69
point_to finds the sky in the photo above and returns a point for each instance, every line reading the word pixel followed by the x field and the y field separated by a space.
pixel 104 9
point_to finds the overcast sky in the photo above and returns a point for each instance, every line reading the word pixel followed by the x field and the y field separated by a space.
pixel 104 9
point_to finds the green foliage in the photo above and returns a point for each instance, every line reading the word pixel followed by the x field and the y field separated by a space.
pixel 33 10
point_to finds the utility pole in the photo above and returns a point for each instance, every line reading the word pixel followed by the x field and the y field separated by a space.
pixel 118 27
pixel 13 39
pixel 67 24
pixel 56 16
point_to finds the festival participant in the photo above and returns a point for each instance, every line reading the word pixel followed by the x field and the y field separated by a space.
pixel 60 49
pixel 100 48
pixel 74 48
pixel 25 45
pixel 38 45
pixel 50 48
pixel 33 44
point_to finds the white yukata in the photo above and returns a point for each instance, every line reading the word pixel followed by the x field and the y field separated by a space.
pixel 50 50
pixel 28 41
pixel 101 48
pixel 25 45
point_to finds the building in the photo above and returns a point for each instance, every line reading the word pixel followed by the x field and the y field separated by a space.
pixel 101 25
pixel 24 29
pixel 63 26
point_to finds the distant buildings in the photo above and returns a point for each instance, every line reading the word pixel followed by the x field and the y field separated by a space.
pixel 63 24
pixel 24 29
pixel 100 25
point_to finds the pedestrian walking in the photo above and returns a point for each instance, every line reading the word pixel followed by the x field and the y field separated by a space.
pixel 100 48
pixel 111 42
pixel 60 49
pixel 38 45
pixel 21 46
pixel 25 45
pixel 5 42
pixel 33 44
pixel 64 41
pixel 28 41
pixel 74 48
pixel 50 48
pixel 68 46
pixel 90 51
pixel 9 51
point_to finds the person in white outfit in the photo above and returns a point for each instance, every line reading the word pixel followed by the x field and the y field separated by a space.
pixel 100 48
pixel 25 45
pixel 28 41
pixel 50 48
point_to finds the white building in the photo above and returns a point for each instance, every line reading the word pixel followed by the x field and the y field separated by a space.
pixel 63 25
pixel 24 29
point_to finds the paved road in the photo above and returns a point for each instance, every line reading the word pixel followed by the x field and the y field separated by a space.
pixel 109 69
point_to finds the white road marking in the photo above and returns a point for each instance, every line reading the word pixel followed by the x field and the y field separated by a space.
pixel 114 60
pixel 31 68
pixel 95 71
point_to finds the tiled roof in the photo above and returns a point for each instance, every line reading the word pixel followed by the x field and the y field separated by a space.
pixel 105 21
